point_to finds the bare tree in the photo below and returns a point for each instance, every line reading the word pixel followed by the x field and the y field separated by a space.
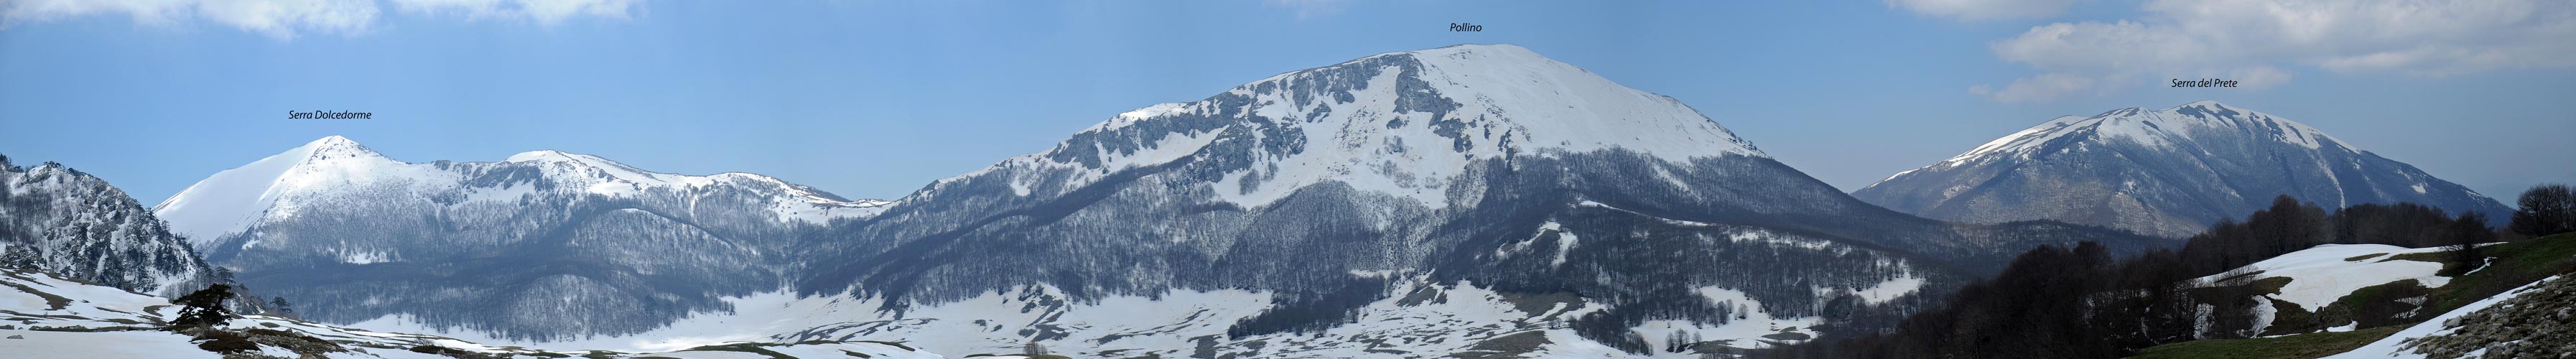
pixel 2546 209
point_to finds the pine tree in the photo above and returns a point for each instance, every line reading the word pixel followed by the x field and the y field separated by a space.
pixel 205 307
pixel 282 308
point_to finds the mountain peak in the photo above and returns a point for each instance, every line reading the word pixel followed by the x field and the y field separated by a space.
pixel 222 203
pixel 1481 100
pixel 558 156
pixel 334 147
pixel 331 140
pixel 1384 122
pixel 2159 128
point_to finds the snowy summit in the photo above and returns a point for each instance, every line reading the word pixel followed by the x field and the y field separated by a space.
pixel 1400 123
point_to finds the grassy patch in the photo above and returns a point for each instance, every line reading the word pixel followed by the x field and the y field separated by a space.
pixel 2359 258
pixel 1507 346
pixel 2289 318
pixel 2380 305
pixel 2271 285
pixel 1540 303
pixel 2514 264
pixel 52 302
pixel 2302 346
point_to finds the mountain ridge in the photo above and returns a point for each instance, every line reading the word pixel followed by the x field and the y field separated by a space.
pixel 501 246
pixel 2167 172
pixel 1295 185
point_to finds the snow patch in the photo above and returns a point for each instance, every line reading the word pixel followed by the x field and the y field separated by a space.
pixel 2320 275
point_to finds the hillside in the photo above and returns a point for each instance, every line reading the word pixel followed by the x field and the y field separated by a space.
pixel 2519 269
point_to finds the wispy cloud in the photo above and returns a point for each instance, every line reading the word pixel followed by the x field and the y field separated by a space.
pixel 541 11
pixel 286 19
pixel 2254 41
pixel 1984 9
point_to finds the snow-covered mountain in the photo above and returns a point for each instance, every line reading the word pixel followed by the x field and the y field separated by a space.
pixel 57 219
pixel 542 244
pixel 1338 200
pixel 1470 198
pixel 2169 172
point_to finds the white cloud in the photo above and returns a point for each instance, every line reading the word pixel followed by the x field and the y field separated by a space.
pixel 2042 88
pixel 546 12
pixel 2251 41
pixel 1984 9
pixel 287 19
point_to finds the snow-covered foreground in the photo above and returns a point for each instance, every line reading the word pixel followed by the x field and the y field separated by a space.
pixel 46 317
pixel 58 318
pixel 1439 319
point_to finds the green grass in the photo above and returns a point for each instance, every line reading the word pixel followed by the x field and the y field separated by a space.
pixel 2516 263
pixel 1506 346
pixel 2271 285
pixel 2302 346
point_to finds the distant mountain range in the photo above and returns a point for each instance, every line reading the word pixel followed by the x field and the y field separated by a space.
pixel 2169 172
pixel 1466 198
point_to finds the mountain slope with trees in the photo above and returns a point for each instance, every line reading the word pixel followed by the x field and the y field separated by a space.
pixel 2082 302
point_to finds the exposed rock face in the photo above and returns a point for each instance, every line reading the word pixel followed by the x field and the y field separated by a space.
pixel 2169 172
pixel 2535 323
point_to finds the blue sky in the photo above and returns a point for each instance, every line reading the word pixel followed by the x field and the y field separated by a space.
pixel 874 99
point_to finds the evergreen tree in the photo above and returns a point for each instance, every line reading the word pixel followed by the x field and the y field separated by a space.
pixel 280 305
pixel 205 307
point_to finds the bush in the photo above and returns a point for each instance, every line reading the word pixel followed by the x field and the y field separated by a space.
pixel 452 352
pixel 295 342
pixel 225 342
